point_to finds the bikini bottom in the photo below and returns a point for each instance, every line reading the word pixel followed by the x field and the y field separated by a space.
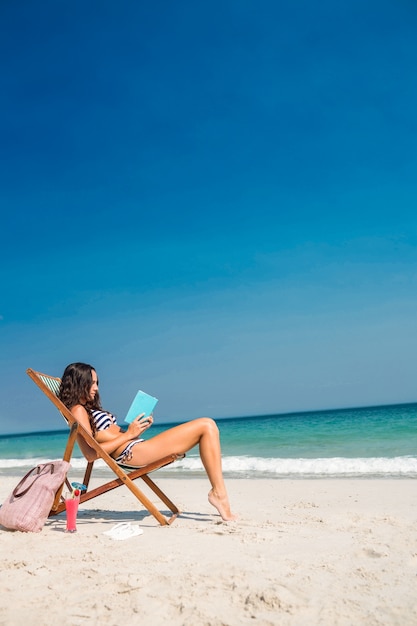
pixel 126 455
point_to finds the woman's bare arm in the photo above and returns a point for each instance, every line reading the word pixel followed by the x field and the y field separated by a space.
pixel 111 438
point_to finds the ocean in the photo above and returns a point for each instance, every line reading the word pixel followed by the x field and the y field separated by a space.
pixel 370 442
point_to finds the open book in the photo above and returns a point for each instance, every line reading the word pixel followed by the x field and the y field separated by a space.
pixel 143 403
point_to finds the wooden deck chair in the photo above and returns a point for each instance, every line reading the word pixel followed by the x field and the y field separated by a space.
pixel 93 451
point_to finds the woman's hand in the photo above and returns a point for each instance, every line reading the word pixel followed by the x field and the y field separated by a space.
pixel 139 425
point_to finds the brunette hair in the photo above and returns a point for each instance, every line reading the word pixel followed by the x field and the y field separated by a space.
pixel 75 387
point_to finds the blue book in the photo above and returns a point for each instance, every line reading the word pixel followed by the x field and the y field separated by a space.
pixel 143 403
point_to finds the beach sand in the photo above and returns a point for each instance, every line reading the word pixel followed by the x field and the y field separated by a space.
pixel 317 552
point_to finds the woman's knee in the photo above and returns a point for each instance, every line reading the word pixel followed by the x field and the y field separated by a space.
pixel 209 425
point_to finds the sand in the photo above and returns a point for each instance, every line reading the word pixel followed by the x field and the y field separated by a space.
pixel 316 552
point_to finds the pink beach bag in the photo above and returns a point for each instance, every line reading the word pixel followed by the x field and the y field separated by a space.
pixel 28 506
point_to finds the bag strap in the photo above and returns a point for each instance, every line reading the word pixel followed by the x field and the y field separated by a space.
pixel 38 470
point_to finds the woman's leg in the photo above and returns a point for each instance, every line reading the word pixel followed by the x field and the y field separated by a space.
pixel 180 439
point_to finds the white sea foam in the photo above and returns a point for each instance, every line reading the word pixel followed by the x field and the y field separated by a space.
pixel 404 466
pixel 246 466
pixel 76 463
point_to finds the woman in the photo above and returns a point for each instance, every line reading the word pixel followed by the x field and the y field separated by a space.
pixel 79 392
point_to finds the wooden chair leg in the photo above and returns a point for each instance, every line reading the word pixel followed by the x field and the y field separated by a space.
pixel 161 495
pixel 67 457
pixel 87 474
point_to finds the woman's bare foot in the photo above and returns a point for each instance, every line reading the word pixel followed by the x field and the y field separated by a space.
pixel 222 505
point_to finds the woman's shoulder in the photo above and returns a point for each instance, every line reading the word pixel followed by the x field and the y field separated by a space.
pixel 79 411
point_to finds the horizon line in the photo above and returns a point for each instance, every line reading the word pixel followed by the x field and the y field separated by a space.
pixel 231 417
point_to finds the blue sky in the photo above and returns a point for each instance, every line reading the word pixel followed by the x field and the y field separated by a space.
pixel 214 202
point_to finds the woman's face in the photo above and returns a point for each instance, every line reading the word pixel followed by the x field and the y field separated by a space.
pixel 94 386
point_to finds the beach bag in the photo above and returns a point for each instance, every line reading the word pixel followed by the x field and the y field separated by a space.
pixel 28 506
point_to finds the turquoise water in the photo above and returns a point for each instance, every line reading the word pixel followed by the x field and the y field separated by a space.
pixel 378 431
pixel 362 442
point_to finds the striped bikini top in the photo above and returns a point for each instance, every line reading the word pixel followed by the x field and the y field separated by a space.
pixel 102 420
